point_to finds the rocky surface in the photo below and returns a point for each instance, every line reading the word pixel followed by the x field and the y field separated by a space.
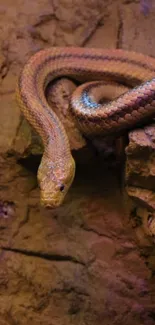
pixel 90 261
pixel 140 172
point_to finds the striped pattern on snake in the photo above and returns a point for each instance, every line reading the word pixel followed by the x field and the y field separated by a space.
pixel 133 70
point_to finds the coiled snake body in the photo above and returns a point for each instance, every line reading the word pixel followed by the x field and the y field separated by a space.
pixel 57 168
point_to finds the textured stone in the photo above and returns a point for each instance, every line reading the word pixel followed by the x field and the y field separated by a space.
pixel 76 264
pixel 140 167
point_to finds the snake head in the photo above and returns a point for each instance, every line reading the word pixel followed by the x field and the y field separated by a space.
pixel 55 180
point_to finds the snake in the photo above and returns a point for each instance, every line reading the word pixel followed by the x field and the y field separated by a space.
pixel 93 69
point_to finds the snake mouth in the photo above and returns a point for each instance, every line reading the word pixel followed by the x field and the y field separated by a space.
pixel 51 203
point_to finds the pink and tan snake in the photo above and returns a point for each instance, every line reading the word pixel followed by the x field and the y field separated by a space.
pixel 137 105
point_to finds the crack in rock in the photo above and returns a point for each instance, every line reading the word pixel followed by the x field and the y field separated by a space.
pixel 50 257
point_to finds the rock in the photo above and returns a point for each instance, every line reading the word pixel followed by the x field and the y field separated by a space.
pixel 143 197
pixel 140 167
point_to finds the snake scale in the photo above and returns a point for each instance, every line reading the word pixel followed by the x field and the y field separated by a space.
pixel 137 105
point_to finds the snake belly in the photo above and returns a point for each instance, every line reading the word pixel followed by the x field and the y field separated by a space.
pixel 57 168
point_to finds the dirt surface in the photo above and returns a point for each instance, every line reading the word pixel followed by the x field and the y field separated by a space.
pixel 91 261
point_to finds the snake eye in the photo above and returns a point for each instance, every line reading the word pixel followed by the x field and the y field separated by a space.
pixel 62 187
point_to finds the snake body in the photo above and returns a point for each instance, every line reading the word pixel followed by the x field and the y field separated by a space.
pixel 57 168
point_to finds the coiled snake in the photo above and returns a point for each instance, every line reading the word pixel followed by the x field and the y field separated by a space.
pixel 57 168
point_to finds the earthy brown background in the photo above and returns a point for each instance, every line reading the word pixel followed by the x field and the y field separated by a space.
pixel 90 261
